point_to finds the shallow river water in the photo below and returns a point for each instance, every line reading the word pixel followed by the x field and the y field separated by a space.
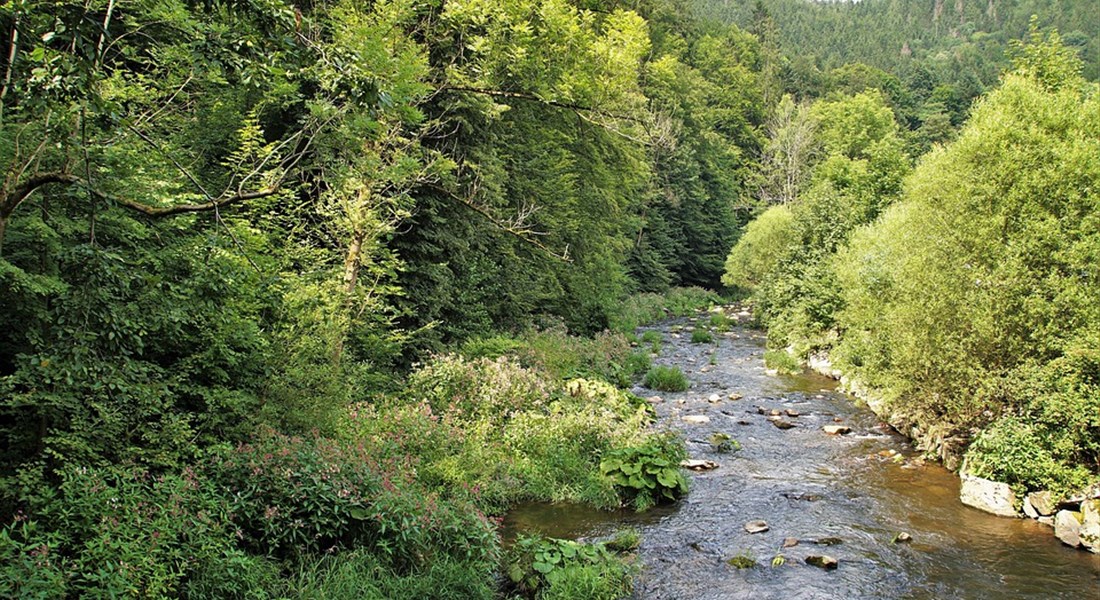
pixel 811 486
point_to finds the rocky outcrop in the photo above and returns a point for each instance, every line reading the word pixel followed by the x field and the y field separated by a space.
pixel 990 496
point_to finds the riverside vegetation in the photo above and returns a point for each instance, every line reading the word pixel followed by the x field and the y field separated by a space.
pixel 963 294
pixel 299 298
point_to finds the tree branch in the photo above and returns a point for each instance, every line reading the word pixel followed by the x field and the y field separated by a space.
pixel 10 201
pixel 522 235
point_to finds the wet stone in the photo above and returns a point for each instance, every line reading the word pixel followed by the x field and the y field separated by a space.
pixel 823 561
pixel 837 429
pixel 757 526
pixel 695 419
pixel 790 542
pixel 780 423
pixel 902 538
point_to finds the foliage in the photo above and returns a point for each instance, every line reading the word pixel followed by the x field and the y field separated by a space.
pixel 723 443
pixel 650 473
pixel 648 308
pixel 666 379
pixel 701 336
pixel 550 568
pixel 766 240
pixel 530 437
pixel 360 574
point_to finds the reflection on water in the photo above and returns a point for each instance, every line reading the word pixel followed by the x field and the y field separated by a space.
pixel 863 488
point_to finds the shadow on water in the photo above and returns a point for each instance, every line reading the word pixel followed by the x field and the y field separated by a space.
pixel 862 489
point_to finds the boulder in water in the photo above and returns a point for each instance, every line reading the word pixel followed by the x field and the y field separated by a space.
pixel 990 496
pixel 837 429
pixel 1067 527
pixel 695 419
pixel 1042 502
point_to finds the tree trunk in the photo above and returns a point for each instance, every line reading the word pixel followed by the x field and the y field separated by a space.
pixel 351 277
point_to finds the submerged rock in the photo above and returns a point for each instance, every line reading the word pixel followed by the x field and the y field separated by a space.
pixel 820 560
pixel 757 526
pixel 990 496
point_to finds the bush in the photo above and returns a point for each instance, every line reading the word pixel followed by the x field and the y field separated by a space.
pixel 666 379
pixel 650 473
pixel 701 336
pixel 277 487
pixel 782 361
pixel 644 309
pixel 549 568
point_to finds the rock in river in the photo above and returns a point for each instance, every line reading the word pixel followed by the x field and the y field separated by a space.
pixel 756 526
pixel 1042 502
pixel 696 419
pixel 1067 526
pixel 696 464
pixel 991 496
pixel 837 429
pixel 820 560
pixel 780 423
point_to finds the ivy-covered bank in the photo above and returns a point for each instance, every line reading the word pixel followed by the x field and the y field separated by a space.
pixel 962 298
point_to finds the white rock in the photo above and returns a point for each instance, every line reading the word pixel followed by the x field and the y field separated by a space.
pixel 1042 502
pixel 714 398
pixel 757 526
pixel 696 419
pixel 837 429
pixel 696 464
pixel 991 496
pixel 1067 526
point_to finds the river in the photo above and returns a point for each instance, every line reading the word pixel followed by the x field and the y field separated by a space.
pixel 845 496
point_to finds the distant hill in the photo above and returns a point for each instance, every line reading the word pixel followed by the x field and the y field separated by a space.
pixel 951 37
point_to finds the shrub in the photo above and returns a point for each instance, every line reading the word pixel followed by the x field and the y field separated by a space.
pixel 650 473
pixel 701 336
pixel 782 361
pixel 666 379
pixel 644 309
pixel 549 568
pixel 651 336
pixel 297 495
pixel 720 322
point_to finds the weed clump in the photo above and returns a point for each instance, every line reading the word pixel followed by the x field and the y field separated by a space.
pixel 666 379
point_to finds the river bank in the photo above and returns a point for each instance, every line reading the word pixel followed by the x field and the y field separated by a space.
pixel 1075 520
pixel 848 497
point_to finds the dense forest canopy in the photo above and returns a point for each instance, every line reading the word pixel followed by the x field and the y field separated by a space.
pixel 263 257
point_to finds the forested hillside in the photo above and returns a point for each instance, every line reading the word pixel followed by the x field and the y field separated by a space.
pixel 299 297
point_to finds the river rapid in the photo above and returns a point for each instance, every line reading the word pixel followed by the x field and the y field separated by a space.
pixel 845 496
